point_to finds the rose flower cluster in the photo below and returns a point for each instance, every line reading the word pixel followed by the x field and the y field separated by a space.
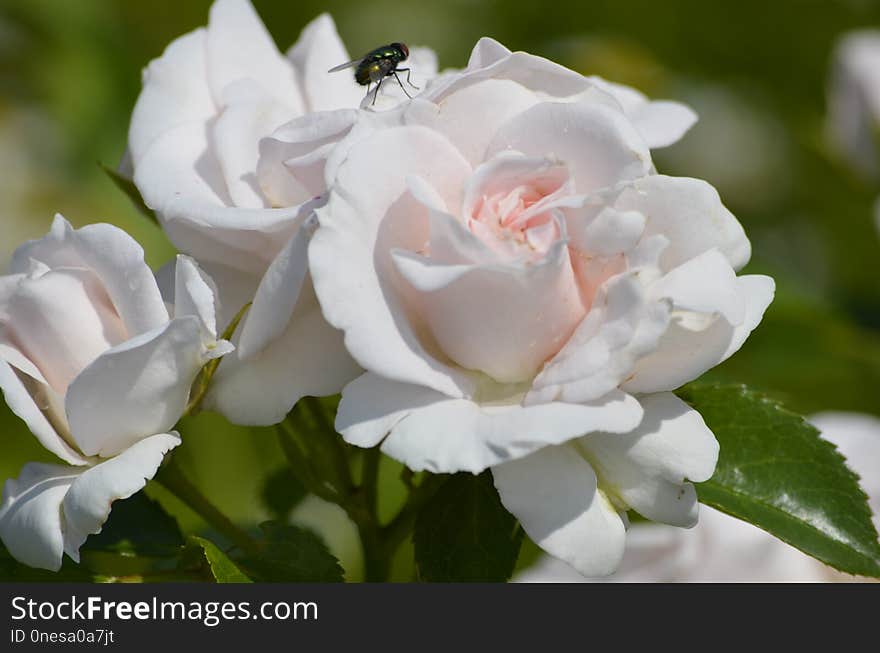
pixel 492 273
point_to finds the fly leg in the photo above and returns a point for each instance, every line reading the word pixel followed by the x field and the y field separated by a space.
pixel 376 92
pixel 401 85
pixel 408 80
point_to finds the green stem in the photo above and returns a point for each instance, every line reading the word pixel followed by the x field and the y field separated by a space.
pixel 370 481
pixel 298 460
pixel 318 457
pixel 172 478
pixel 380 543
pixel 396 531
pixel 334 442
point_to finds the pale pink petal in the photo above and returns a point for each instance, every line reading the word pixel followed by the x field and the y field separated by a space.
pixel 195 294
pixel 307 359
pixel 470 116
pixel 292 159
pixel 705 284
pixel 648 469
pixel 597 143
pixel 372 406
pixel 239 46
pixel 31 521
pixel 486 52
pixel 660 122
pixel 623 325
pixel 692 345
pixel 690 214
pixel 115 258
pixel 187 190
pixel 277 294
pixel 555 496
pixel 249 114
pixel 61 321
pixel 350 259
pixel 19 398
pixel 136 389
pixel 175 92
pixel 90 498
pixel 318 49
pixel 444 435
pixel 504 320
pixel 607 233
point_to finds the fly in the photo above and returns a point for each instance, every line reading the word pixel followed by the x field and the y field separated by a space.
pixel 378 64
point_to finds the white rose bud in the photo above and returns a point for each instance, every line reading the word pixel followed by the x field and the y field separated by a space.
pixel 93 363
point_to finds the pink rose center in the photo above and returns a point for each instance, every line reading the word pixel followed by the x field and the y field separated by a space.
pixel 517 219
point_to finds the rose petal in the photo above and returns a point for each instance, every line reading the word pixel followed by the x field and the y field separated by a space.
pixel 371 406
pixel 555 496
pixel 292 160
pixel 431 431
pixel 194 294
pixel 316 49
pixel 505 320
pixel 175 92
pixel 690 348
pixel 622 326
pixel 705 284
pixel 307 358
pixel 249 114
pixel 610 232
pixel 660 122
pixel 532 72
pixel 597 143
pixel 648 468
pixel 356 286
pixel 235 289
pixel 116 259
pixel 21 402
pixel 486 52
pixel 88 502
pixel 135 389
pixel 31 525
pixel 470 116
pixel 188 192
pixel 238 46
pixel 690 214
pixel 61 321
pixel 277 294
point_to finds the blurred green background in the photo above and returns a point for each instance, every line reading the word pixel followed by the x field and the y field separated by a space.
pixel 755 71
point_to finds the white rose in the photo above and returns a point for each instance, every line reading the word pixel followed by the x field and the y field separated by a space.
pixel 523 292
pixel 227 144
pixel 94 365
pixel 853 124
pixel 723 549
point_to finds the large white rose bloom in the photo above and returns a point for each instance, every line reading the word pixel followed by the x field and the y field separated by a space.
pixel 224 146
pixel 98 370
pixel 723 549
pixel 524 291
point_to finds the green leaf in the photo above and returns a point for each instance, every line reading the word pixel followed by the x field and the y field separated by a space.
pixel 282 492
pixel 140 526
pixel 12 571
pixel 127 186
pixel 289 554
pixel 222 569
pixel 138 540
pixel 775 471
pixel 464 533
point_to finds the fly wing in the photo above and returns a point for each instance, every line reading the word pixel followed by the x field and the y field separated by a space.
pixel 347 64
